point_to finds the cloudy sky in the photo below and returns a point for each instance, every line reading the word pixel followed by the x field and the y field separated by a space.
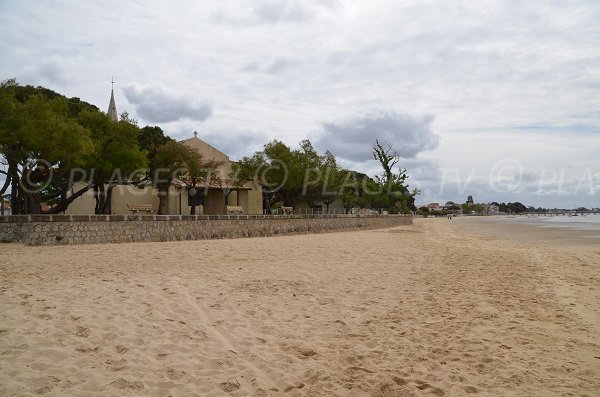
pixel 500 100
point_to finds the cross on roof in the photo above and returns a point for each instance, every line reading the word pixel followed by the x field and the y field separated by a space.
pixel 112 82
pixel 196 134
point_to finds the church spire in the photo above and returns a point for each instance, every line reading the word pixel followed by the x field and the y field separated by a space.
pixel 112 108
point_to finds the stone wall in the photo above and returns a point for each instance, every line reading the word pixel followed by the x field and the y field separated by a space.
pixel 82 229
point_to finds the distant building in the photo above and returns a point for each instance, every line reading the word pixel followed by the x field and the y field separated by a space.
pixel 491 209
pixel 433 206
pixel 112 108
pixel 5 210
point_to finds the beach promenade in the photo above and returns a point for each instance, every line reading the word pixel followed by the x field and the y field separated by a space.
pixel 437 308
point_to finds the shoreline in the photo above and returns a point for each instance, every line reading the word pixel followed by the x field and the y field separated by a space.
pixel 524 229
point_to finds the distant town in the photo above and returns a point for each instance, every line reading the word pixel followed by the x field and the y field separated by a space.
pixel 494 208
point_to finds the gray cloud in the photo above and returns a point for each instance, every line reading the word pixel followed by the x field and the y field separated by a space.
pixel 274 12
pixel 155 105
pixel 236 144
pixel 49 72
pixel 275 65
pixel 353 139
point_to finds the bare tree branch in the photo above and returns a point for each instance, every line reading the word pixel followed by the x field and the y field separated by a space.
pixel 63 205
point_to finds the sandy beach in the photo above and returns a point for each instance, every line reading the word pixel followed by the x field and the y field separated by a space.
pixel 438 308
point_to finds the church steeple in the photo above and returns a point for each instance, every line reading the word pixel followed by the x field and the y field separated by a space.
pixel 112 108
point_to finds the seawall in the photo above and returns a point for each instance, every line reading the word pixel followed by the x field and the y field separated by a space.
pixel 86 229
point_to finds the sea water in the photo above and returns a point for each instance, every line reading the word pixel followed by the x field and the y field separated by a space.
pixel 587 222
pixel 580 222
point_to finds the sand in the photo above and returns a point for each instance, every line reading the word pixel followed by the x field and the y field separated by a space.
pixel 437 308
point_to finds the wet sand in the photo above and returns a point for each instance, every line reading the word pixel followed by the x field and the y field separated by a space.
pixel 438 308
pixel 532 230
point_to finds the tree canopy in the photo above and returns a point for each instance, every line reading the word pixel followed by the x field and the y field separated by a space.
pixel 40 141
pixel 46 138
pixel 399 198
pixel 302 175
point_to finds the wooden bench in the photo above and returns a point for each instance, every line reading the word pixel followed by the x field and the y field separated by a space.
pixel 287 210
pixel 234 210
pixel 135 208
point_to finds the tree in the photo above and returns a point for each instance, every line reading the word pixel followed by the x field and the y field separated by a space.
pixel 165 158
pixel 478 208
pixel 393 184
pixel 40 143
pixel 285 172
pixel 251 169
pixel 451 205
pixel 175 161
pixel 360 190
pixel 279 171
pixel 321 184
pixel 332 179
pixel 517 207
pixel 198 175
pixel 150 139
pixel 115 158
pixel 291 176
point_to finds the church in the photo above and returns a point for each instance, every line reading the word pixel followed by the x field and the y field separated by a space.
pixel 218 200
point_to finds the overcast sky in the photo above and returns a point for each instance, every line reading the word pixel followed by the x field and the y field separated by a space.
pixel 500 100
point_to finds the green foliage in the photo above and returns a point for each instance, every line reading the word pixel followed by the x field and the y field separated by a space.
pixel 513 208
pixel 150 139
pixel 399 199
pixel 291 176
pixel 477 208
pixel 115 147
pixel 173 160
pixel 44 136
pixel 39 140
pixel 115 158
pixel 302 175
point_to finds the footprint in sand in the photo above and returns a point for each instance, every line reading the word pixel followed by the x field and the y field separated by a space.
pixel 115 365
pixel 50 382
pixel 84 349
pixel 306 353
pixel 229 387
pixel 426 386
pixel 82 332
pixel 125 384
pixel 175 374
pixel 400 381
pixel 121 349
pixel 298 386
